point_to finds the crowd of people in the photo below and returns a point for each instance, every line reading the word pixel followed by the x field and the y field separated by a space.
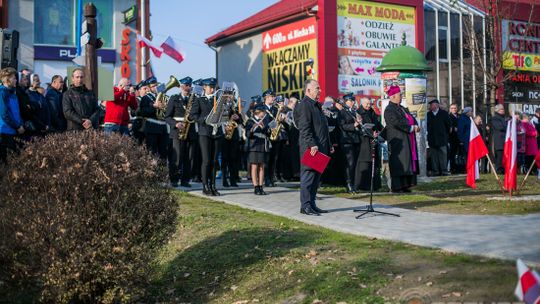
pixel 267 140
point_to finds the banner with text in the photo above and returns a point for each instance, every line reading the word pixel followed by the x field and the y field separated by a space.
pixel 287 51
pixel 521 45
pixel 366 32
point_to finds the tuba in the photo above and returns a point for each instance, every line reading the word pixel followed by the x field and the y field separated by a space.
pixel 164 99
pixel 220 112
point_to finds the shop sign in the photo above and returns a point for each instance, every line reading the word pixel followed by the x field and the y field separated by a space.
pixel 125 69
pixel 45 52
pixel 521 45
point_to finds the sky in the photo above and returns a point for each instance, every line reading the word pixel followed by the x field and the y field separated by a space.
pixel 190 23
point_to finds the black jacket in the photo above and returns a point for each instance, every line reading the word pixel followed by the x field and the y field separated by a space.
pixel 176 108
pixel 349 133
pixel 453 136
pixel 498 131
pixel 438 128
pixel 80 103
pixel 258 135
pixel 368 117
pixel 54 98
pixel 147 111
pixel 200 110
pixel 399 145
pixel 312 125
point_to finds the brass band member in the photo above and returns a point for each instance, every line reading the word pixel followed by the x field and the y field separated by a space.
pixel 291 161
pixel 258 146
pixel 363 165
pixel 350 125
pixel 269 98
pixel 141 89
pixel 209 143
pixel 230 154
pixel 155 131
pixel 182 149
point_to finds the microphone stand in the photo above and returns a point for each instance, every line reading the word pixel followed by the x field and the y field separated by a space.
pixel 369 208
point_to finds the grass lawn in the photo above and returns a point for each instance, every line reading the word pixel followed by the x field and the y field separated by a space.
pixel 225 254
pixel 452 195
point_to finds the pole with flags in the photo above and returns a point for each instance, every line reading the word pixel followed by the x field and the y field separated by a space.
pixel 528 286
pixel 477 150
pixel 536 163
pixel 510 157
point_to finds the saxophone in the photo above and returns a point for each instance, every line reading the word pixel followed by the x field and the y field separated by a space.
pixel 279 124
pixel 183 134
pixel 230 127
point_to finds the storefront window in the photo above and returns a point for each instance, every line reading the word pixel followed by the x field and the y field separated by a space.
pixel 104 20
pixel 54 22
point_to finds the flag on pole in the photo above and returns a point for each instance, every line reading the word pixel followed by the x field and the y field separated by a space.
pixel 510 156
pixel 537 159
pixel 173 49
pixel 142 41
pixel 477 150
pixel 528 286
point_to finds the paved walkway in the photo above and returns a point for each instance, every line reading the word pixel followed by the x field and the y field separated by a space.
pixel 504 237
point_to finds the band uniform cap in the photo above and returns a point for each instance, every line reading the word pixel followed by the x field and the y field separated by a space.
pixel 259 106
pixel 256 98
pixel 280 98
pixel 393 90
pixel 151 80
pixel 268 92
pixel 499 107
pixel 198 82
pixel 349 96
pixel 209 82
pixel 141 84
pixel 434 101
pixel 186 80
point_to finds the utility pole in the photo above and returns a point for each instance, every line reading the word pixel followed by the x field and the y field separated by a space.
pixel 89 38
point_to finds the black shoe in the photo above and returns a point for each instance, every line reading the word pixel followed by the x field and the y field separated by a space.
pixel 256 190
pixel 206 190
pixel 234 184
pixel 261 191
pixel 317 209
pixel 185 184
pixel 213 190
pixel 225 183
pixel 309 211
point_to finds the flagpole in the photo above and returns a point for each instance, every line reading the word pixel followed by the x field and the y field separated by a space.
pixel 527 175
pixel 495 173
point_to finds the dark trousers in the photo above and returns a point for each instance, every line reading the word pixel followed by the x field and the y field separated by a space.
pixel 275 160
pixel 196 161
pixel 230 160
pixel 451 155
pixel 351 157
pixel 499 161
pixel 309 183
pixel 158 143
pixel 438 160
pixel 180 156
pixel 7 143
pixel 210 148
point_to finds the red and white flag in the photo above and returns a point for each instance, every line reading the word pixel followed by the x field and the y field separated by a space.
pixel 537 159
pixel 477 150
pixel 528 286
pixel 172 48
pixel 510 156
pixel 142 41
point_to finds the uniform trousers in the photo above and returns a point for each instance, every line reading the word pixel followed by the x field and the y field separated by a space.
pixel 351 156
pixel 180 157
pixel 210 149
pixel 230 160
pixel 157 143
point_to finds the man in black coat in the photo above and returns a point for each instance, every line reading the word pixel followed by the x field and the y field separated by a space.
pixel 182 151
pixel 314 135
pixel 498 131
pixel 209 142
pixel 453 137
pixel 363 165
pixel 349 140
pixel 399 133
pixel 438 128
pixel 54 98
pixel 80 105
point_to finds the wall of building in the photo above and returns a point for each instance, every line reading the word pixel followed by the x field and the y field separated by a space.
pixel 21 18
pixel 241 62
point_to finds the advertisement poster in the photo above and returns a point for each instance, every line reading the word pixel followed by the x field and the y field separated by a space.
pixel 366 32
pixel 521 45
pixel 287 55
pixel 416 96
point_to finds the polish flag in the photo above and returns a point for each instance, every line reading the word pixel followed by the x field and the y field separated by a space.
pixel 528 286
pixel 142 41
pixel 537 159
pixel 510 156
pixel 477 150
pixel 172 48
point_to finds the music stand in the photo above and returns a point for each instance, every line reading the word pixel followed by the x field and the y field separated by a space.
pixel 369 208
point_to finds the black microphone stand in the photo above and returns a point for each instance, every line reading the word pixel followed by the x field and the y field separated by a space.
pixel 369 208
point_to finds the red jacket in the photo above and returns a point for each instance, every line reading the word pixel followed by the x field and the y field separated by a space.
pixel 531 146
pixel 116 111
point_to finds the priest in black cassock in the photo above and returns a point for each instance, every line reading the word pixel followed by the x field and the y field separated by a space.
pixel 400 135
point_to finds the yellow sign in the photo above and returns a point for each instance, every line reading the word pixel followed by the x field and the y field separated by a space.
pixel 521 62
pixel 286 69
pixel 376 11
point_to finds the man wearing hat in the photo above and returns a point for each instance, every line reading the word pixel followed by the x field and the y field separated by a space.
pixel 349 138
pixel 498 129
pixel 230 152
pixel 269 98
pixel 155 130
pixel 209 143
pixel 438 129
pixel 182 151
pixel 136 121
pixel 400 135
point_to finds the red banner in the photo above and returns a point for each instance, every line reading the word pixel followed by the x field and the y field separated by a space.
pixel 289 34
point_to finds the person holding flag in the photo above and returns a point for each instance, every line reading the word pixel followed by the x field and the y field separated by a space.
pixel 477 150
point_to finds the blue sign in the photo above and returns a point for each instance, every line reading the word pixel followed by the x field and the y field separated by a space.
pixel 65 53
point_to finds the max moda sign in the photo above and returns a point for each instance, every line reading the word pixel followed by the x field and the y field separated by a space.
pixel 287 55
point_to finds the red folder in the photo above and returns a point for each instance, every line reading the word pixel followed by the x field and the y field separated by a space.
pixel 317 162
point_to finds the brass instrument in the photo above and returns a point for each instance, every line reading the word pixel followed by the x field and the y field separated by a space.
pixel 164 99
pixel 230 127
pixel 279 124
pixel 223 101
pixel 183 134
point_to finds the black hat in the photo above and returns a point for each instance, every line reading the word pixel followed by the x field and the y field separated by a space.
pixel 151 80
pixel 209 82
pixel 268 92
pixel 280 98
pixel 259 106
pixel 186 80
pixel 197 82
pixel 256 98
pixel 434 101
pixel 349 96
pixel 141 84
pixel 295 95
